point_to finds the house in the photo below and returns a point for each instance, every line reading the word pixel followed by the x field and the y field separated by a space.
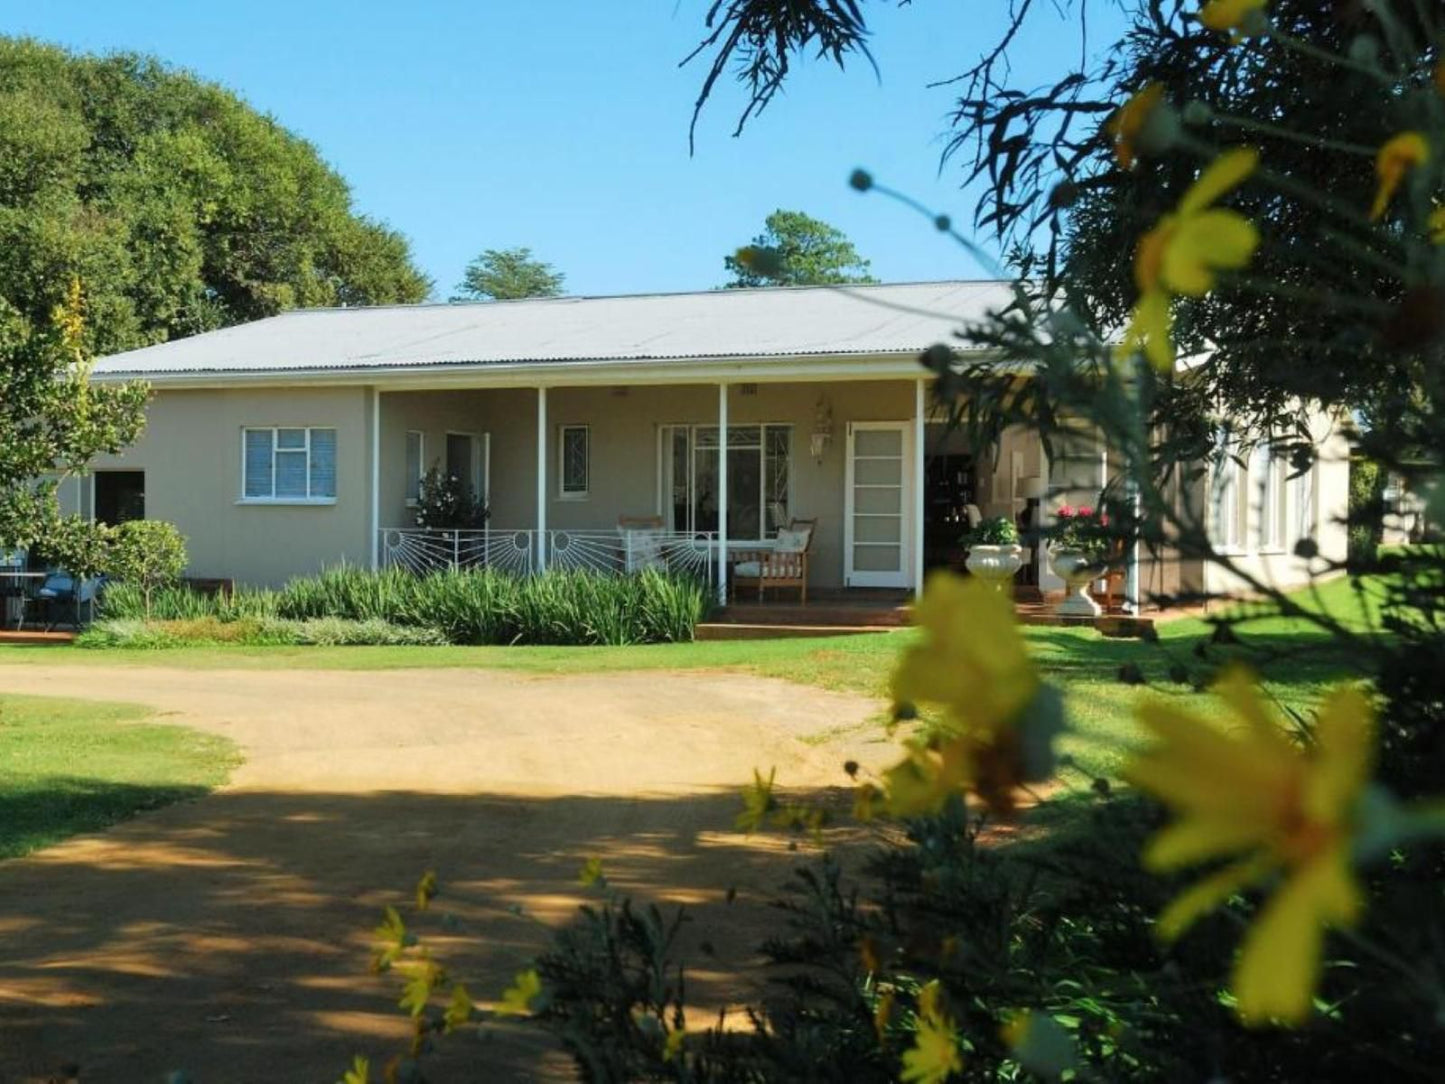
pixel 297 442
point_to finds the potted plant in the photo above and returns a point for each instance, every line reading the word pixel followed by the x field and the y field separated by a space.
pixel 994 553
pixel 1078 555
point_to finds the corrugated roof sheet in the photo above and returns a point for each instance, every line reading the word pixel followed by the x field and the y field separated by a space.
pixel 716 324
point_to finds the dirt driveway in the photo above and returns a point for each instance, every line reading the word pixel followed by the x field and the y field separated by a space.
pixel 228 937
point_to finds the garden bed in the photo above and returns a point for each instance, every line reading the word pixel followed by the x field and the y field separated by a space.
pixel 352 606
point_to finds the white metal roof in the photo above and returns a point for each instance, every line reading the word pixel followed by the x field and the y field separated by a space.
pixel 718 324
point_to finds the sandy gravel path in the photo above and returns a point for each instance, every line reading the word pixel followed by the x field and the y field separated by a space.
pixel 228 936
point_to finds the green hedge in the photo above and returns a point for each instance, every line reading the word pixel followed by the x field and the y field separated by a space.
pixel 466 607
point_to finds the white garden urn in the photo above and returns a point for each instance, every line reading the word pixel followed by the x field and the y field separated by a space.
pixel 995 565
pixel 1077 569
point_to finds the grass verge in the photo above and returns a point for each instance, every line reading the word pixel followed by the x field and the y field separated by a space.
pixel 71 766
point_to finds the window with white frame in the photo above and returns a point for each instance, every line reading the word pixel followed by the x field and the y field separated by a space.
pixel 759 479
pixel 415 464
pixel 1304 504
pixel 1227 503
pixel 574 462
pixel 292 465
pixel 1268 471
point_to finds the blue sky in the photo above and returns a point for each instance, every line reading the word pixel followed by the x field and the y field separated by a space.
pixel 562 124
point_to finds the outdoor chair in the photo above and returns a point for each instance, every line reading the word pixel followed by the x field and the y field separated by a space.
pixel 785 565
pixel 60 599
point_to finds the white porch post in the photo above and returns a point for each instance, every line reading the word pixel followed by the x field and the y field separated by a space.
pixel 722 496
pixel 375 478
pixel 541 479
pixel 920 431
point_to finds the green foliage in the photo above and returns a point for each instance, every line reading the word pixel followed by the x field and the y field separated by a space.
pixel 1366 510
pixel 797 250
pixel 445 501
pixel 54 421
pixel 146 553
pixel 459 607
pixel 209 630
pixel 994 531
pixel 179 206
pixel 509 274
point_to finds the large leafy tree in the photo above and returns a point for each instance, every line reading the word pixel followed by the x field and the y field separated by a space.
pixel 1071 214
pixel 53 422
pixel 508 274
pixel 179 207
pixel 795 249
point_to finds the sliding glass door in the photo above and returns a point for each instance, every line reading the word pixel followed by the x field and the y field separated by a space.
pixel 759 476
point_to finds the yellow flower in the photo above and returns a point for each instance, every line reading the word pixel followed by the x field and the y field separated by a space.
pixel 970 659
pixel 934 1056
pixel 1254 796
pixel 757 802
pixel 517 999
pixel 672 1045
pixel 1181 254
pixel 359 1073
pixel 1231 15
pixel 590 873
pixel 1128 122
pixel 393 935
pixel 1437 226
pixel 423 980
pixel 426 889
pixel 459 1008
pixel 1396 158
pixel 925 779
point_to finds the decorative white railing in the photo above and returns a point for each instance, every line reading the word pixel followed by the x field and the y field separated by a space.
pixel 426 549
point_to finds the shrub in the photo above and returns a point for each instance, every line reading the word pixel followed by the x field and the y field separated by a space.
pixel 473 606
pixel 147 554
pixel 995 531
pixel 253 632
pixel 446 502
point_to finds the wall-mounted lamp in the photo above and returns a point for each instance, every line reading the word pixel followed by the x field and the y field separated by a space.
pixel 822 434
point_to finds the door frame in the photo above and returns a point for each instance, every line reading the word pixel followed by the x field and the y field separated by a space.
pixel 903 577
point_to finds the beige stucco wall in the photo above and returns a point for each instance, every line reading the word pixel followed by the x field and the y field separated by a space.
pixel 624 425
pixel 191 455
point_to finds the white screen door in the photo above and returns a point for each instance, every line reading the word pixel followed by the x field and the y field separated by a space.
pixel 876 534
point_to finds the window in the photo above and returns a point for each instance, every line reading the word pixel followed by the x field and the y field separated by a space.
pixel 1304 487
pixel 1267 469
pixel 289 465
pixel 573 450
pixel 1227 509
pixel 415 464
pixel 759 475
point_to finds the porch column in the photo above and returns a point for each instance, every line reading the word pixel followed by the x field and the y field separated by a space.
pixel 541 479
pixel 375 478
pixel 920 432
pixel 722 496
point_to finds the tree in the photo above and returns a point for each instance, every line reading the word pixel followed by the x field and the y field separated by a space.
pixel 53 422
pixel 795 249
pixel 509 274
pixel 147 553
pixel 180 207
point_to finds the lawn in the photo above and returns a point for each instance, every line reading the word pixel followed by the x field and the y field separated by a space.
pixel 70 766
pixel 1086 664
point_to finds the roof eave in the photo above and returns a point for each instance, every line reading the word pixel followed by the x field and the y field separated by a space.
pixel 694 370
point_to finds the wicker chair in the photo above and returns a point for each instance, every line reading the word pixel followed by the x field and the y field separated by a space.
pixel 785 565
